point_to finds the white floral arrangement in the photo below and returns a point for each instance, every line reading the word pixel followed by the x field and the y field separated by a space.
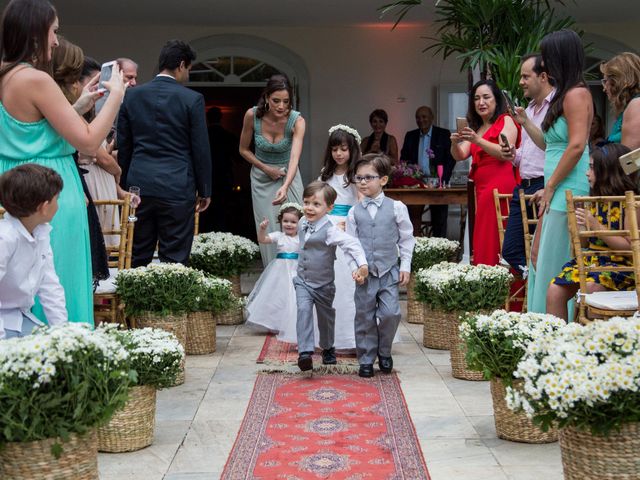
pixel 430 251
pixel 459 287
pixel 295 205
pixel 222 254
pixel 163 288
pixel 63 379
pixel 584 377
pixel 216 296
pixel 497 342
pixel 348 129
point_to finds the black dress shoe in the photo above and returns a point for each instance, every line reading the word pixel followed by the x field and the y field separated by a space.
pixel 329 356
pixel 305 361
pixel 366 370
pixel 385 364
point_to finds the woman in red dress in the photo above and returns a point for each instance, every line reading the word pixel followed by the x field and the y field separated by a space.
pixel 490 167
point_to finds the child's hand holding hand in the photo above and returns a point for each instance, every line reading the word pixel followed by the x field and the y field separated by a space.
pixel 360 274
pixel 264 223
pixel 404 278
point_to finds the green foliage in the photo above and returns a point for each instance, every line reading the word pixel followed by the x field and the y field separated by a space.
pixel 216 296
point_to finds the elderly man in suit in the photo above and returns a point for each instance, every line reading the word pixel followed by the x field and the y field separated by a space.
pixel 429 146
pixel 164 150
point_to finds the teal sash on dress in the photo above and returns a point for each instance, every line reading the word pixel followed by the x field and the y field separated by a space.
pixel 340 210
pixel 287 256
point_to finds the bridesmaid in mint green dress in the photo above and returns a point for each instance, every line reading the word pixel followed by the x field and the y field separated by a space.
pixel 564 136
pixel 38 125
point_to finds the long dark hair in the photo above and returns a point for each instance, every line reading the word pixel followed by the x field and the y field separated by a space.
pixel 475 121
pixel 337 138
pixel 25 34
pixel 563 57
pixel 610 178
pixel 276 83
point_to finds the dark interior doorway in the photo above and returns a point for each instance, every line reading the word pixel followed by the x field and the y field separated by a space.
pixel 231 209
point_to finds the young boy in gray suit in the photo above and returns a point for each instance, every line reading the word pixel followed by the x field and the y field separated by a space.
pixel 314 283
pixel 384 228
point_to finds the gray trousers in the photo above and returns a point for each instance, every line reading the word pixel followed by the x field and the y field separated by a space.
pixel 322 298
pixel 377 316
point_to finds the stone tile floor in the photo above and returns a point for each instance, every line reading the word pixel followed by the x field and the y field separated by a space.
pixel 197 422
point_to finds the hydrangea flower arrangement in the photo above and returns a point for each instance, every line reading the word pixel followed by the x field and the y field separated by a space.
pixel 222 254
pixel 457 287
pixel 60 380
pixel 163 288
pixel 583 377
pixel 497 342
pixel 432 250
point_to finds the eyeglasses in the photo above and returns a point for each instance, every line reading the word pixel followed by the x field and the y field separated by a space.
pixel 366 178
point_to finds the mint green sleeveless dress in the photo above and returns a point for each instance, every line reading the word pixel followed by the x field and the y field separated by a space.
pixel 38 142
pixel 555 244
pixel 263 188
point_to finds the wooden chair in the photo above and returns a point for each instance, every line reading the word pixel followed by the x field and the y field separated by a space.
pixel 603 305
pixel 527 223
pixel 501 202
pixel 106 303
pixel 2 210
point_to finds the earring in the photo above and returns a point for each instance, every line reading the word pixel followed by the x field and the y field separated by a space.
pixel 266 105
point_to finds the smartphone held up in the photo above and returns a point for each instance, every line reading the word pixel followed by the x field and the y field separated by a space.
pixel 105 75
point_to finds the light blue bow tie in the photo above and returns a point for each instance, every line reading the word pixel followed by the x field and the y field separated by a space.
pixel 376 201
pixel 308 226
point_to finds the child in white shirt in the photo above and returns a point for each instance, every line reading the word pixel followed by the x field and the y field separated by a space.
pixel 29 194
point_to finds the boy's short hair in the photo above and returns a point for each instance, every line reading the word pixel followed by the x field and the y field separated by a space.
pixel 379 161
pixel 328 192
pixel 25 187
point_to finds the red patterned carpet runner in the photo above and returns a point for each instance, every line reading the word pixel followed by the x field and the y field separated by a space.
pixel 338 427
pixel 276 353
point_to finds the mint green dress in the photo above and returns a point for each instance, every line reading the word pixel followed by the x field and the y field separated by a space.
pixel 555 245
pixel 38 142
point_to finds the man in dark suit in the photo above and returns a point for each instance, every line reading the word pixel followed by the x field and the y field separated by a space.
pixel 164 150
pixel 429 146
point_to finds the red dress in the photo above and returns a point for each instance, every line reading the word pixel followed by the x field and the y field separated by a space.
pixel 487 173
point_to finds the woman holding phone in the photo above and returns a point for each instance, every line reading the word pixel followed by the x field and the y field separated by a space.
pixel 490 167
pixel 277 131
pixel 38 125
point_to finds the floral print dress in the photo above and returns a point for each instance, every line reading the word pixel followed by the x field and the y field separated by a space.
pixel 609 280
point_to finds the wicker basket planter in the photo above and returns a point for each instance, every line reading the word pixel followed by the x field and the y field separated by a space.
pixel 437 328
pixel 233 316
pixel 614 457
pixel 132 427
pixel 458 350
pixel 414 307
pixel 34 460
pixel 235 284
pixel 513 426
pixel 201 333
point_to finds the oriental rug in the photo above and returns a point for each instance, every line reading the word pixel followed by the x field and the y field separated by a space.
pixel 341 427
pixel 282 356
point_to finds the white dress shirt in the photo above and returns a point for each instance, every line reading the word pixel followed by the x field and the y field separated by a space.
pixel 26 270
pixel 405 229
pixel 348 244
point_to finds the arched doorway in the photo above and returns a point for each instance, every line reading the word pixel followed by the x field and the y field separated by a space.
pixel 230 71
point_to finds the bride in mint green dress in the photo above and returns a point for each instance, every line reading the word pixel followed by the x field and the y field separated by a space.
pixel 38 125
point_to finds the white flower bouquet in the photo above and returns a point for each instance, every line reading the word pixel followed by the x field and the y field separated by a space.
pixel 222 254
pixel 587 378
pixel 155 355
pixel 456 287
pixel 60 380
pixel 430 251
pixel 497 342
pixel 215 296
pixel 162 288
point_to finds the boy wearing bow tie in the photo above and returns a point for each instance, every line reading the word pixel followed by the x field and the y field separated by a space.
pixel 314 282
pixel 383 227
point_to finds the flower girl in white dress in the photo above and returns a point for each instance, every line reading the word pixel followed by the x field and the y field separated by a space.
pixel 272 302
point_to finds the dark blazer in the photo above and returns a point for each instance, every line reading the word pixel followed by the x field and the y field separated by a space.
pixel 163 146
pixel 440 144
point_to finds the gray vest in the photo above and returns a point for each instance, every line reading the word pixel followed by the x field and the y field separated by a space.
pixel 379 236
pixel 315 261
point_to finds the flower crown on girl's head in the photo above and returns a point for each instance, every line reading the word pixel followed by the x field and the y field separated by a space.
pixel 295 205
pixel 347 129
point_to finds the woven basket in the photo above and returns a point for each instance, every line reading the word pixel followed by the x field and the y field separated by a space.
pixel 516 426
pixel 614 457
pixel 233 316
pixel 33 460
pixel 132 427
pixel 458 350
pixel 437 331
pixel 235 284
pixel 414 307
pixel 201 333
